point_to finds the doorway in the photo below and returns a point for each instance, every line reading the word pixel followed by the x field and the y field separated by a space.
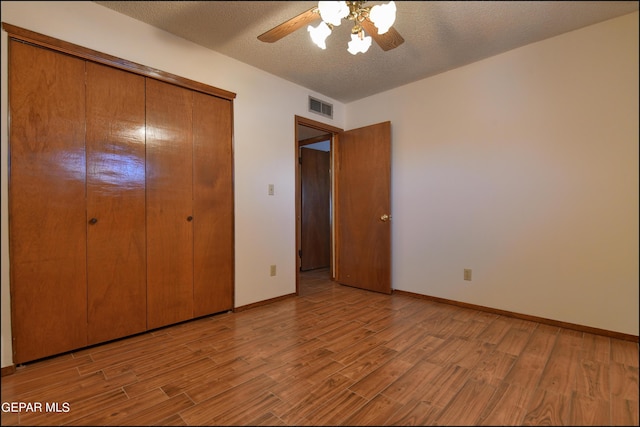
pixel 314 213
pixel 314 159
pixel 360 210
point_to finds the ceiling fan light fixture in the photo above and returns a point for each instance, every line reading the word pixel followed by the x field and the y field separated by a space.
pixel 319 34
pixel 379 27
pixel 332 12
pixel 377 19
pixel 383 16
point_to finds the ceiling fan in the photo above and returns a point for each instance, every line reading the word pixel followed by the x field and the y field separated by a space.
pixel 374 20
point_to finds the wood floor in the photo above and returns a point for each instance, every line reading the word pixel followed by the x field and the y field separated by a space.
pixel 337 356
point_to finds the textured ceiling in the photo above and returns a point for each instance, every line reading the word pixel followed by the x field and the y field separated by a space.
pixel 439 36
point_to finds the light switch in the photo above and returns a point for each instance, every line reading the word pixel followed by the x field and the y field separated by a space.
pixel 271 190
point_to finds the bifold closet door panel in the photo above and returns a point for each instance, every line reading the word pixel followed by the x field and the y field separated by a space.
pixel 47 240
pixel 170 216
pixel 116 237
pixel 213 205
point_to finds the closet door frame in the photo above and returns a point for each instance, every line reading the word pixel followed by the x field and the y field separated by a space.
pixel 19 34
pixel 52 43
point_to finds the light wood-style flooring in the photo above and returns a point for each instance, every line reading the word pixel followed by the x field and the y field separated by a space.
pixel 336 355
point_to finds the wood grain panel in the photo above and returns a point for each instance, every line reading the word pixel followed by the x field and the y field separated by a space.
pixel 387 41
pixel 363 195
pixel 116 243
pixel 467 405
pixel 46 202
pixel 213 244
pixel 288 27
pixel 169 204
pixel 315 195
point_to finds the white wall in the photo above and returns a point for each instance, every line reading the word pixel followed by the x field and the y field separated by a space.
pixel 524 168
pixel 264 135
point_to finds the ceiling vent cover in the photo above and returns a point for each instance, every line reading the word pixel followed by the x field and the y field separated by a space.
pixel 320 107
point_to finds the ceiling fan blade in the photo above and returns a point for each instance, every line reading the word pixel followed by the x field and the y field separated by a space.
pixel 387 41
pixel 288 27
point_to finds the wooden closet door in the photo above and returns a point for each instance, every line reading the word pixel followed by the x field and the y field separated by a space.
pixel 47 234
pixel 116 238
pixel 169 204
pixel 213 205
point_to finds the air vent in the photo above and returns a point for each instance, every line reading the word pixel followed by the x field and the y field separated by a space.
pixel 320 107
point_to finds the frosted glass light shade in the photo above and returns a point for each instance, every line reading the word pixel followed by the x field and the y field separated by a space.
pixel 319 34
pixel 383 16
pixel 357 44
pixel 332 12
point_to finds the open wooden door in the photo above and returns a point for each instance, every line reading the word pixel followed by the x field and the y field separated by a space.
pixel 363 208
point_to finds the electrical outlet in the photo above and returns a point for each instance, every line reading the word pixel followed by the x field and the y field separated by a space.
pixel 467 274
pixel 273 270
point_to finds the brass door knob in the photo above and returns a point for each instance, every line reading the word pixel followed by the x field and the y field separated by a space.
pixel 385 218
